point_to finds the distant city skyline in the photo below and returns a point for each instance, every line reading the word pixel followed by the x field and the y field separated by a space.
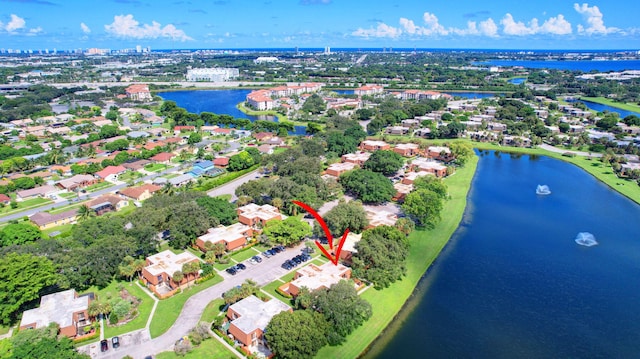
pixel 226 24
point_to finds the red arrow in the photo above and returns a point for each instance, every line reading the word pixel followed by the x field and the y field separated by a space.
pixel 324 226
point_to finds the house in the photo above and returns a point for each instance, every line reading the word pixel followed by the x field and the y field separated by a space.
pixel 178 129
pixel 349 246
pixel 135 165
pixel 4 199
pixel 257 216
pixel 67 309
pixel 315 277
pixel 221 162
pixel 63 170
pixel 428 165
pixel 336 169
pixel 260 100
pixel 370 145
pixel 407 149
pixel 202 167
pixel 181 180
pixel 397 130
pixel 158 273
pixel 402 190
pixel 437 151
pixel 111 173
pixel 379 217
pixel 139 193
pixel 138 92
pixel 410 177
pixel 76 182
pixel 358 158
pixel 234 236
pixel 249 318
pixel 266 149
pixel 107 203
pixel 262 136
pixel 45 220
pixel 42 191
pixel 368 90
pixel 162 157
pixel 410 122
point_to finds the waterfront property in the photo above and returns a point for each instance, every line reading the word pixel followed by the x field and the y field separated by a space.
pixel 314 277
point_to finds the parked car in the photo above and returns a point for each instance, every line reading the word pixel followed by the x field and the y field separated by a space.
pixel 281 248
pixel 305 257
pixel 115 342
pixel 257 259
pixel 307 250
pixel 241 266
pixel 276 250
pixel 232 270
pixel 104 345
pixel 266 253
pixel 287 265
pixel 297 259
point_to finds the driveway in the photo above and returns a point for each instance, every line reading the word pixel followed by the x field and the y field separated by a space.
pixel 230 188
pixel 138 344
pixel 560 150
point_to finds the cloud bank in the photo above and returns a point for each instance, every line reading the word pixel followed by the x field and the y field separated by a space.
pixel 126 26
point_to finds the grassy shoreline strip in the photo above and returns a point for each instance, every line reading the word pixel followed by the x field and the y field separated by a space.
pixel 608 102
pixel 425 248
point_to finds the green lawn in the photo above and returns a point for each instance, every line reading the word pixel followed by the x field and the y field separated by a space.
pixel 68 195
pixel 130 175
pixel 210 348
pixel 425 247
pixel 98 186
pixel 62 229
pixel 605 101
pixel 271 289
pixel 220 266
pixel 212 310
pixel 4 330
pixel 30 203
pixel 144 308
pixel 155 167
pixel 169 309
pixel 244 255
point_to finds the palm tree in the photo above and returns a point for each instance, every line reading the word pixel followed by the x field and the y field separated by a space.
pixel 177 277
pixel 277 202
pixel 168 189
pixel 84 213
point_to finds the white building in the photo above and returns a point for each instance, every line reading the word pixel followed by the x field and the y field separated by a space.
pixel 217 74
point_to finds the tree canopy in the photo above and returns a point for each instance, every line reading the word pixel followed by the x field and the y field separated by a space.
pixel 385 162
pixel 368 186
pixel 425 206
pixel 314 104
pixel 297 335
pixel 381 256
pixel 19 233
pixel 219 208
pixel 290 231
pixel 346 215
pixel 433 184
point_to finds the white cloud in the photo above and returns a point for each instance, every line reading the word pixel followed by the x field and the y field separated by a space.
pixel 555 25
pixel 433 26
pixel 127 26
pixel 35 30
pixel 15 23
pixel 593 16
pixel 488 28
pixel 382 30
pixel 85 28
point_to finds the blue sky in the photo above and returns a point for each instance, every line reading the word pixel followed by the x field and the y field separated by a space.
pixel 229 24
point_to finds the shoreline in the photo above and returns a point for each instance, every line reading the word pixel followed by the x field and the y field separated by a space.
pixel 604 101
pixel 426 246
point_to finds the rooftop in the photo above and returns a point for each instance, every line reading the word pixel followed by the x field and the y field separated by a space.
pixel 314 277
pixel 227 234
pixel 56 308
pixel 168 262
pixel 256 314
pixel 264 212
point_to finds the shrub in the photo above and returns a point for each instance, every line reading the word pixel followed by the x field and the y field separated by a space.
pixel 113 319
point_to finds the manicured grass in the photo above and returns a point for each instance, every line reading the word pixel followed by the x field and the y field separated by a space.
pixel 220 266
pixel 62 229
pixel 244 255
pixel 425 247
pixel 144 308
pixel 320 261
pixel 271 289
pixel 4 330
pixel 130 175
pixel 261 247
pixel 212 310
pixel 68 195
pixel 605 101
pixel 210 348
pixel 169 309
pixel 30 203
pixel 155 167
pixel 98 186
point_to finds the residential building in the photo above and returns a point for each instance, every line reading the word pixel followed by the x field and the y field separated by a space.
pixel 336 169
pixel 234 236
pixel 437 151
pixel 42 191
pixel 138 92
pixel 257 216
pixel 107 203
pixel 371 145
pixel 221 162
pixel 349 246
pixel 158 273
pixel 379 217
pixel 135 165
pixel 402 190
pixel 203 167
pixel 162 157
pixel 358 158
pixel 249 318
pixel 45 220
pixel 66 309
pixel 397 130
pixel 4 199
pixel 315 277
pixel 260 100
pixel 216 74
pixel 410 177
pixel 368 90
pixel 139 193
pixel 110 173
pixel 428 165
pixel 407 149
pixel 181 180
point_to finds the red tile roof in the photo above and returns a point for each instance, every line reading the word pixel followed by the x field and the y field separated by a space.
pixel 162 157
pixel 110 170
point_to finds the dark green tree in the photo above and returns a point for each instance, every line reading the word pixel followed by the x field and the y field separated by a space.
pixel 19 233
pixel 219 208
pixel 346 215
pixel 385 162
pixel 368 186
pixel 425 206
pixel 288 232
pixel 381 256
pixel 297 335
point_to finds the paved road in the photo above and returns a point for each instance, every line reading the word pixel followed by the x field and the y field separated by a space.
pixel 230 188
pixel 139 345
pixel 561 150
pixel 91 195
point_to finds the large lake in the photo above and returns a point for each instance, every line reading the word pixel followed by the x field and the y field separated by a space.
pixel 513 283
pixel 584 66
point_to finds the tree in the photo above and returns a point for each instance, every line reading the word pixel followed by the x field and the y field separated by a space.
pixel 405 225
pixel 177 277
pixel 340 144
pixel 385 162
pixel 19 233
pixel 433 184
pixel 425 206
pixel 368 186
pixel 314 104
pixel 216 249
pixel 343 309
pixel 84 213
pixel 238 293
pixel 131 266
pixel 288 232
pixel 220 208
pixel 241 161
pixel 194 138
pixel 190 268
pixel 42 343
pixel 186 221
pixel 297 335
pixel 346 215
pixel 381 256
pixel 461 151
pixel 22 279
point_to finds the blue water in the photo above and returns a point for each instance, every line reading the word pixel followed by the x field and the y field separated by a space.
pixel 513 283
pixel 600 108
pixel 344 92
pixel 472 95
pixel 584 66
pixel 517 80
pixel 222 102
